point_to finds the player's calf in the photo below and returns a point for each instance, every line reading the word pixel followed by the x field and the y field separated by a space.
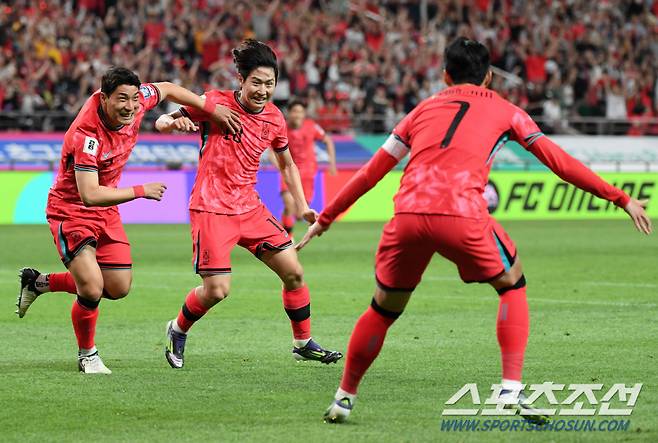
pixel 288 222
pixel 116 282
pixel 365 343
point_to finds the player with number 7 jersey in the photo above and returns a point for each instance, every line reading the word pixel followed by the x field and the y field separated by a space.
pixel 451 139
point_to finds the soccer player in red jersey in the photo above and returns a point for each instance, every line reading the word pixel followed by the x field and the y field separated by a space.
pixel 225 209
pixel 452 138
pixel 302 134
pixel 82 204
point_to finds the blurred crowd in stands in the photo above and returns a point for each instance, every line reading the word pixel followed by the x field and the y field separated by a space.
pixel 358 64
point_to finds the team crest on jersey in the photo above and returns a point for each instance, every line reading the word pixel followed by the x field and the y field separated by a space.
pixel 91 146
pixel 147 90
pixel 205 257
pixel 75 236
pixel 266 130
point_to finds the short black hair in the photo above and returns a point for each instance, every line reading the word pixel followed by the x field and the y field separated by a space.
pixel 296 102
pixel 117 76
pixel 252 54
pixel 467 61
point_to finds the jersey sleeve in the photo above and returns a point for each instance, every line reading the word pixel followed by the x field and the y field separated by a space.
pixel 524 130
pixel 86 149
pixel 197 115
pixel 150 95
pixel 398 144
pixel 527 133
pixel 280 140
pixel 573 171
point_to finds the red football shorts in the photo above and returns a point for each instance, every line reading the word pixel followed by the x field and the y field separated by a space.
pixel 103 231
pixel 215 235
pixel 481 249
pixel 308 184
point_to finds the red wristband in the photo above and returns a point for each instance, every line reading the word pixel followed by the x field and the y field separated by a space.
pixel 139 191
pixel 208 106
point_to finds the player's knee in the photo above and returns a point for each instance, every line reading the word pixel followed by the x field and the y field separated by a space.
pixel 508 286
pixel 392 313
pixel 510 277
pixel 115 289
pixel 90 290
pixel 293 278
pixel 217 292
pixel 115 294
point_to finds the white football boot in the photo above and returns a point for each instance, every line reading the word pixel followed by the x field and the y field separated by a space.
pixel 92 364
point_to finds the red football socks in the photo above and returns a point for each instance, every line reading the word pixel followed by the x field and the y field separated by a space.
pixel 84 314
pixel 62 282
pixel 512 327
pixel 364 346
pixel 288 222
pixel 191 311
pixel 297 303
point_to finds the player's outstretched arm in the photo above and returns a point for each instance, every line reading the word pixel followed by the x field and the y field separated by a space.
pixel 360 183
pixel 92 194
pixel 221 115
pixel 573 171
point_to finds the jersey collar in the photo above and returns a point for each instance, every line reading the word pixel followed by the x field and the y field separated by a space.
pixel 105 121
pixel 244 108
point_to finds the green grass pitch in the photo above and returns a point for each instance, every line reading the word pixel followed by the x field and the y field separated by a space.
pixel 592 289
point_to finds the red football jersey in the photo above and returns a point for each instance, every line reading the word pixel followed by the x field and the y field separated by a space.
pixel 228 164
pixel 89 145
pixel 453 137
pixel 302 146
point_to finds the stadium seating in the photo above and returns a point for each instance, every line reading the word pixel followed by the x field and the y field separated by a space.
pixel 361 66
